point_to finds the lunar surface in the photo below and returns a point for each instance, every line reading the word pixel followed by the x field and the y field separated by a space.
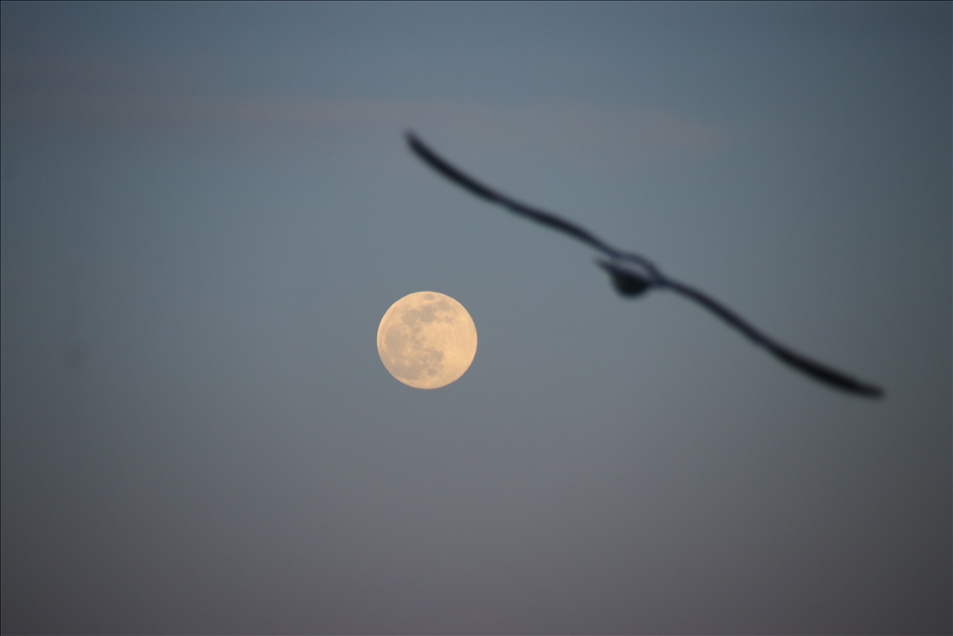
pixel 427 340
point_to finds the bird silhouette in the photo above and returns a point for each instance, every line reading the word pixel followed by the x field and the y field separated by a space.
pixel 633 275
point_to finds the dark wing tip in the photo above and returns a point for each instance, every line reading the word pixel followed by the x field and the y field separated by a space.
pixel 871 391
pixel 824 373
pixel 417 145
pixel 860 388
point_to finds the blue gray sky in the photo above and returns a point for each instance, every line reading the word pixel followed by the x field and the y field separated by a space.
pixel 207 209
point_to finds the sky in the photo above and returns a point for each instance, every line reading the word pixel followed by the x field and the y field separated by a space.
pixel 207 209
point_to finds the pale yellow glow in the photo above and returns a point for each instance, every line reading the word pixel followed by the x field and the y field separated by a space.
pixel 427 340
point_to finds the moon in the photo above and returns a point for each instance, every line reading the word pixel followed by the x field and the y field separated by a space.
pixel 427 340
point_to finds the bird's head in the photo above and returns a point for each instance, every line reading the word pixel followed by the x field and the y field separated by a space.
pixel 629 279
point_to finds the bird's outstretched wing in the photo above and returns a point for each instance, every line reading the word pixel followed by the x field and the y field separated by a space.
pixel 442 166
pixel 633 283
pixel 814 369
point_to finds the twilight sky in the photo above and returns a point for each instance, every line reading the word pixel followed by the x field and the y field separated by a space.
pixel 206 210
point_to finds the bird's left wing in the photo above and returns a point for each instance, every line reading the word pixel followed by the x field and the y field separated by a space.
pixel 456 175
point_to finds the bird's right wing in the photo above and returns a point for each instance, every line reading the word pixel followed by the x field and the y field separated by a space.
pixel 467 182
pixel 814 369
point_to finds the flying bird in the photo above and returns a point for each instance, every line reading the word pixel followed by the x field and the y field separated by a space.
pixel 633 275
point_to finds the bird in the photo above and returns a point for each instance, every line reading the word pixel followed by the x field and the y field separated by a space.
pixel 633 275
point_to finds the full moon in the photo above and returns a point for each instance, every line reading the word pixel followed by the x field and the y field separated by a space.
pixel 427 340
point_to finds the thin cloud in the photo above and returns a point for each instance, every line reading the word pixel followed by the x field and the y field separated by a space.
pixel 103 94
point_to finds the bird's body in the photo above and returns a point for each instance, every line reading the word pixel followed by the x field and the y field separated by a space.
pixel 633 275
pixel 629 278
